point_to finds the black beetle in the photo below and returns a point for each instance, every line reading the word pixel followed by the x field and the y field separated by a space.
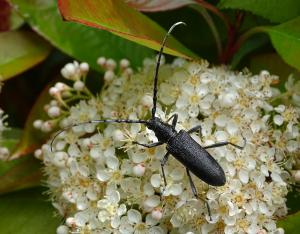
pixel 180 144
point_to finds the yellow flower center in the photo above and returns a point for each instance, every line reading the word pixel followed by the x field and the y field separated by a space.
pixel 151 151
pixel 194 80
pixel 239 200
pixel 194 99
pixel 243 224
pixel 223 210
pixel 238 164
pixel 117 176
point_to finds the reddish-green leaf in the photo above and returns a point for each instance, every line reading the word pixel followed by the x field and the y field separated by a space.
pixel 117 17
pixel 19 174
pixel 157 5
pixel 32 138
pixel 19 51
pixel 80 42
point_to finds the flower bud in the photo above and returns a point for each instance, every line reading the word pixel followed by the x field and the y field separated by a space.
pixel 53 91
pixel 297 176
pixel 139 169
pixel 157 213
pixel 101 61
pixel 84 68
pixel 108 76
pixel 68 71
pixel 38 153
pixel 147 101
pixel 54 111
pixel 62 229
pixel 47 126
pixel 78 85
pixel 60 86
pixel 37 124
pixel 111 64
pixel 124 63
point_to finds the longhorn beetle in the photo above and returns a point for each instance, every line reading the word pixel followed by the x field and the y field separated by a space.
pixel 180 144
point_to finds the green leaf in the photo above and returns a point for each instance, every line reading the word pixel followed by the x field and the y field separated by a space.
pixel 117 17
pixel 277 11
pixel 273 63
pixel 78 41
pixel 10 137
pixel 286 40
pixel 19 51
pixel 27 212
pixel 19 174
pixel 16 21
pixel 293 197
pixel 32 138
pixel 290 224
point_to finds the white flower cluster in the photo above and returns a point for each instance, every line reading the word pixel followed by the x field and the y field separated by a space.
pixel 4 151
pixel 102 183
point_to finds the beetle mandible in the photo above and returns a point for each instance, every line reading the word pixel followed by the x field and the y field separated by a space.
pixel 181 145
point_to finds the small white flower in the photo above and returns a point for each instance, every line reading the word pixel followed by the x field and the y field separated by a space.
pixel 278 120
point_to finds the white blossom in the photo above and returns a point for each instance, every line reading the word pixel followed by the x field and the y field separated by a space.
pixel 104 183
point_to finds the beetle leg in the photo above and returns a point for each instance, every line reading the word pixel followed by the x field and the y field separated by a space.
pixel 193 187
pixel 195 129
pixel 174 121
pixel 219 144
pixel 148 145
pixel 162 164
pixel 194 190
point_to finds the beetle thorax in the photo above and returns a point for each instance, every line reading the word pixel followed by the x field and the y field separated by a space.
pixel 163 131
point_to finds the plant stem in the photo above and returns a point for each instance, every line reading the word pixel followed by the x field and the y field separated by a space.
pixel 214 10
pixel 248 34
pixel 212 26
pixel 234 44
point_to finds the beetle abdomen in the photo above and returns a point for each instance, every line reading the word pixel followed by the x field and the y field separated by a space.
pixel 185 149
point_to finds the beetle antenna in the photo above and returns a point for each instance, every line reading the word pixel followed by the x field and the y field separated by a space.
pixel 96 121
pixel 157 66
